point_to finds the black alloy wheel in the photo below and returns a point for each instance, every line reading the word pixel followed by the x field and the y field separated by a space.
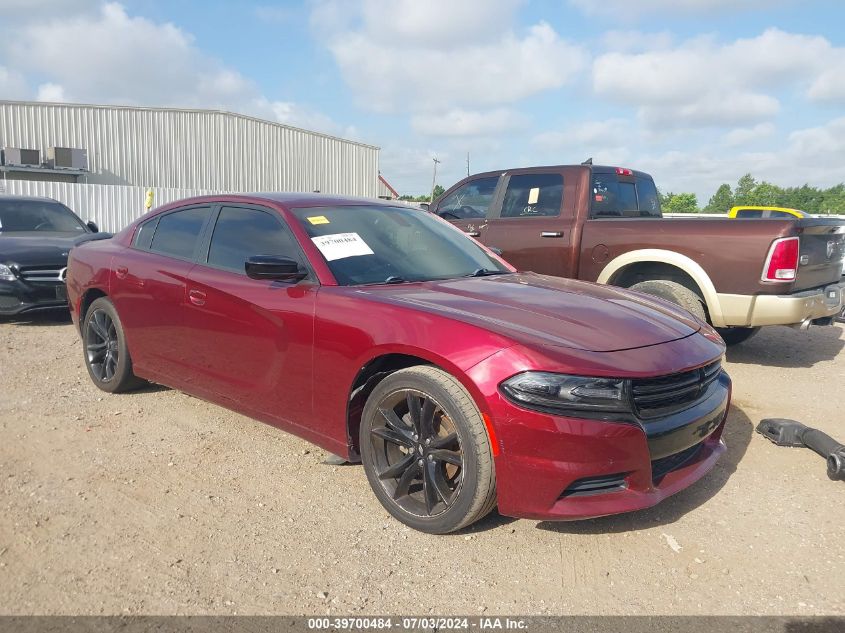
pixel 101 345
pixel 106 355
pixel 417 452
pixel 426 451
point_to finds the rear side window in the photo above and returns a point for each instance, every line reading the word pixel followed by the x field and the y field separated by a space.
pixel 241 233
pixel 177 233
pixel 533 195
pixel 144 234
pixel 470 200
pixel 749 213
pixel 630 197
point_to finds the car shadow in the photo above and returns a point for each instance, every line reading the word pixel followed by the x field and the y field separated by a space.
pixel 779 346
pixel 737 436
pixel 59 316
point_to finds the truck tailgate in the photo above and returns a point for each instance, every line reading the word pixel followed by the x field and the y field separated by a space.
pixel 821 252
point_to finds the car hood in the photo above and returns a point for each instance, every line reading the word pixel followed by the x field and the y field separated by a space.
pixel 541 310
pixel 36 247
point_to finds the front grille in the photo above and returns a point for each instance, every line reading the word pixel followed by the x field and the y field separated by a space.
pixel 665 465
pixel 655 397
pixel 53 274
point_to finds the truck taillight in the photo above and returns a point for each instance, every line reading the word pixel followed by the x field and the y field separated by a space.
pixel 782 262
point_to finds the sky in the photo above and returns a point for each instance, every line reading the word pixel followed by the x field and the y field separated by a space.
pixel 695 92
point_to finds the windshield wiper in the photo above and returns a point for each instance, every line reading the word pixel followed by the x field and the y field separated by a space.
pixel 394 279
pixel 484 272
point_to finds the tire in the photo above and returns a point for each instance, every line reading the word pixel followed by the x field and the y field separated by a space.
pixel 426 452
pixel 736 335
pixel 674 292
pixel 104 349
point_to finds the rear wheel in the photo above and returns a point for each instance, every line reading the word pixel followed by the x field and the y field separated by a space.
pixel 674 292
pixel 426 452
pixel 736 335
pixel 106 355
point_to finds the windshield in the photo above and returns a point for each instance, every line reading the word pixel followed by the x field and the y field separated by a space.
pixel 379 244
pixel 18 216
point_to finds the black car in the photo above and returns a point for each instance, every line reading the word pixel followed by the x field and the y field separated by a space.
pixel 36 235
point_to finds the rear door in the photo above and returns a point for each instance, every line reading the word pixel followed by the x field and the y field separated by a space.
pixel 533 224
pixel 252 340
pixel 470 204
pixel 148 290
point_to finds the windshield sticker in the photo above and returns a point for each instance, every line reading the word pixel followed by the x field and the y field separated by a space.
pixel 533 195
pixel 341 245
pixel 318 219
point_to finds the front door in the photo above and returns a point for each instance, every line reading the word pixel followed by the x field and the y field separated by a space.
pixel 252 339
pixel 469 205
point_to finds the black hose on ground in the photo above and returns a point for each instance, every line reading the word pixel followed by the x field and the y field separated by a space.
pixel 785 432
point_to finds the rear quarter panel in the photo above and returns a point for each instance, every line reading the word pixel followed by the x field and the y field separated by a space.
pixel 731 252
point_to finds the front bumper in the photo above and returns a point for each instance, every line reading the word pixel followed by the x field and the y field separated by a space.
pixel 17 297
pixel 758 310
pixel 559 468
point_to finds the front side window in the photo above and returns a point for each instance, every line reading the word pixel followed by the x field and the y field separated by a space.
pixel 533 195
pixel 749 213
pixel 241 233
pixel 19 216
pixel 469 201
pixel 382 244
pixel 177 233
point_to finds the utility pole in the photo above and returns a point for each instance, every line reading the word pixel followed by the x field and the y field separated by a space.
pixel 433 179
pixel 467 164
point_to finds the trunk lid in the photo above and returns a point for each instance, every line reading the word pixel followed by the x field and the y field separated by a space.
pixel 822 248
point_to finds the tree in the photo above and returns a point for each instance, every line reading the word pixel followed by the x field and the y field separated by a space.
pixel 744 189
pixel 681 203
pixel 438 191
pixel 721 201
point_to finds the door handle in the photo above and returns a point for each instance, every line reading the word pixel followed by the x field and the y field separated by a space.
pixel 551 234
pixel 472 233
pixel 197 297
pixel 120 272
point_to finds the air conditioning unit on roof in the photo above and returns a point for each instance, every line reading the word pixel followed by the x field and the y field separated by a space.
pixel 19 157
pixel 67 158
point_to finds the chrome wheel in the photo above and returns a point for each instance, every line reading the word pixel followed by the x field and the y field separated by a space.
pixel 417 453
pixel 101 346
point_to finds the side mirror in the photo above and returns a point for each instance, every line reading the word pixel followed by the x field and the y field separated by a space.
pixel 93 226
pixel 274 267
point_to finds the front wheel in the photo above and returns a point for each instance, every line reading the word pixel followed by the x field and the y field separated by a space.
pixel 106 355
pixel 736 335
pixel 426 452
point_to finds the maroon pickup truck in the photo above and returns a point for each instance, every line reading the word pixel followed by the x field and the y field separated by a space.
pixel 604 224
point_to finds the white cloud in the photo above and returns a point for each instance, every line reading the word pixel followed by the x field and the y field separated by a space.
pixel 623 9
pixel 459 122
pixel 108 56
pixel 814 155
pixel 53 93
pixel 438 56
pixel 704 83
pixel 12 84
pixel 745 136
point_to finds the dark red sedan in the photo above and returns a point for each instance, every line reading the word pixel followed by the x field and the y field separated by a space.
pixel 385 335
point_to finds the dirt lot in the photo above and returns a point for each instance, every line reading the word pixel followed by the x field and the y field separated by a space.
pixel 156 502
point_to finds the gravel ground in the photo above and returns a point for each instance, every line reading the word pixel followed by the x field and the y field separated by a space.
pixel 158 503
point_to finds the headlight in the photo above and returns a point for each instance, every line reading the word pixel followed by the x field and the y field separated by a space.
pixel 6 273
pixel 567 394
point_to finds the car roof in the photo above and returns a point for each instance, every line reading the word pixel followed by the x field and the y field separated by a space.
pixel 290 200
pixel 753 207
pixel 596 169
pixel 5 196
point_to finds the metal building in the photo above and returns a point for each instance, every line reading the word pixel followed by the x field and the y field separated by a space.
pixel 181 148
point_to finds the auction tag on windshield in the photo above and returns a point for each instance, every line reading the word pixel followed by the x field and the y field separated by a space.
pixel 341 245
pixel 318 219
pixel 533 195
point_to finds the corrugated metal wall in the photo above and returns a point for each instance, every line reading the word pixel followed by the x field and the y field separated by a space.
pixel 111 206
pixel 157 147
